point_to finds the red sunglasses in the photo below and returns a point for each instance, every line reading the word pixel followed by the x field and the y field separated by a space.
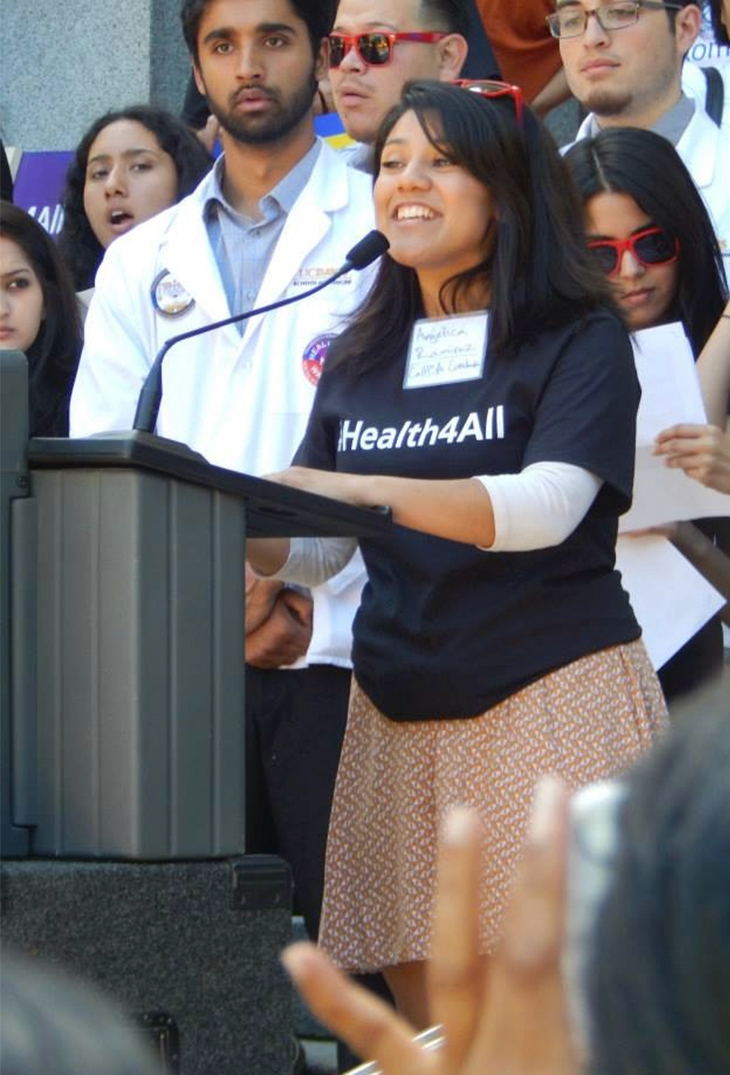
pixel 651 246
pixel 375 48
pixel 491 88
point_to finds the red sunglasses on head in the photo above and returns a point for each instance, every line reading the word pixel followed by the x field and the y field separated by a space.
pixel 486 87
pixel 651 246
pixel 374 48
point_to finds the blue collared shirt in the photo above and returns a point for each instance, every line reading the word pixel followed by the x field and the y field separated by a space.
pixel 243 246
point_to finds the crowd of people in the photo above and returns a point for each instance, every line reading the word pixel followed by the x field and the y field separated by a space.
pixel 480 381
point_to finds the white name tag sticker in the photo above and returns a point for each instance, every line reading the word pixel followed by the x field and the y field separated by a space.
pixel 446 350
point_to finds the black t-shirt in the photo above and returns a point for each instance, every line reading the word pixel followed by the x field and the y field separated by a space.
pixel 446 629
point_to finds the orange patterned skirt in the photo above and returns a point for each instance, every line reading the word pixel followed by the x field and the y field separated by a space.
pixel 584 722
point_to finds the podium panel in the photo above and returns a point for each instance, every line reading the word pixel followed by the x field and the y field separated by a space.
pixel 140 666
pixel 122 630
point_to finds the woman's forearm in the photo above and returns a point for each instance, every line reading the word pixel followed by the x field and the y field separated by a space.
pixel 713 368
pixel 457 509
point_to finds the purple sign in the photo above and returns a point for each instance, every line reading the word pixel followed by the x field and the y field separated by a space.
pixel 39 184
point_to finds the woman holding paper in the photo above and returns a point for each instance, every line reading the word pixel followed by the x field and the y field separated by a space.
pixel 651 233
pixel 486 392
pixel 703 452
pixel 652 236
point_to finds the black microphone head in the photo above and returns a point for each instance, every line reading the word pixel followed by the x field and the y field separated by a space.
pixel 367 250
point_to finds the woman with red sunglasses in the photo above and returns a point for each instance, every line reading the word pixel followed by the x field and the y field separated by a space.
pixel 649 231
pixel 651 234
pixel 486 391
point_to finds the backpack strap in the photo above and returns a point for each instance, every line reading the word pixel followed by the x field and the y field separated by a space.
pixel 715 99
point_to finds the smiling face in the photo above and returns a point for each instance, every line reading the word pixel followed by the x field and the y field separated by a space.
pixel 129 178
pixel 436 215
pixel 256 68
pixel 21 298
pixel 645 293
pixel 629 76
pixel 364 93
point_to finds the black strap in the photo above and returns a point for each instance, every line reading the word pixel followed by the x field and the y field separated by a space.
pixel 715 94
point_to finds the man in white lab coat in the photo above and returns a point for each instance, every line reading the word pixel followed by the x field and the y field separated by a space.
pixel 276 215
pixel 623 62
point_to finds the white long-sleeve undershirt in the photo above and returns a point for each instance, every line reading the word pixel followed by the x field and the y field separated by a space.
pixel 539 507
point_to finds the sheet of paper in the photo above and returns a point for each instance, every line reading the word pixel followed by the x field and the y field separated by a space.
pixel 670 393
pixel 670 390
pixel 663 495
pixel 670 598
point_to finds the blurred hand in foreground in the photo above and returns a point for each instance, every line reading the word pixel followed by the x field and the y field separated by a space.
pixel 505 1015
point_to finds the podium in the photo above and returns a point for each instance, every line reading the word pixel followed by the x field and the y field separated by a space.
pixel 141 596
pixel 122 587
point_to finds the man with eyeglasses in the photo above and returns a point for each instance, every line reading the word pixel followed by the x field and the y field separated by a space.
pixel 376 46
pixel 623 61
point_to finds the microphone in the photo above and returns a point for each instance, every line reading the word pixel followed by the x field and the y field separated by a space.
pixel 371 247
pixel 362 254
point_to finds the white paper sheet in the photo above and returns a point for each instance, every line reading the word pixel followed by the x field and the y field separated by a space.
pixel 670 393
pixel 670 598
pixel 670 390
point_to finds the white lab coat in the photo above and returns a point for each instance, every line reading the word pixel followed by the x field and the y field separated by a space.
pixel 242 401
pixel 705 151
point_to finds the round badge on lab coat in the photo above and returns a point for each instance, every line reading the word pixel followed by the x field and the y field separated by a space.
pixel 169 297
pixel 314 355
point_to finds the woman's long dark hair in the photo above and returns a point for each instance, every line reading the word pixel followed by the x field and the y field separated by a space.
pixel 537 268
pixel 626 160
pixel 54 354
pixel 80 248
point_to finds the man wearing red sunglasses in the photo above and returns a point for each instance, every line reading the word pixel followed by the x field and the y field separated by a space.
pixel 376 46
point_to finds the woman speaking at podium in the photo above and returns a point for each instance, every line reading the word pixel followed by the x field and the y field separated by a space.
pixel 486 392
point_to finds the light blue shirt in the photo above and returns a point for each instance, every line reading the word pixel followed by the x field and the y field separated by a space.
pixel 243 246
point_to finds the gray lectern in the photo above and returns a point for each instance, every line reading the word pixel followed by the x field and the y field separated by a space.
pixel 122 734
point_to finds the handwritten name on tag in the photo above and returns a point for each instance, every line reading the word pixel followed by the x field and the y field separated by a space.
pixel 446 350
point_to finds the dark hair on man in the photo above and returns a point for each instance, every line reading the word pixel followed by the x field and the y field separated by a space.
pixel 319 16
pixel 659 982
pixel 644 165
pixel 672 11
pixel 449 15
pixel 718 26
pixel 80 248
pixel 537 267
pixel 54 354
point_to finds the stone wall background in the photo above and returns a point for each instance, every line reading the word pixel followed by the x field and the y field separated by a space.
pixel 65 62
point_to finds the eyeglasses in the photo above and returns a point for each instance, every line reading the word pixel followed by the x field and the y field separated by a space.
pixel 571 20
pixel 491 88
pixel 652 246
pixel 376 48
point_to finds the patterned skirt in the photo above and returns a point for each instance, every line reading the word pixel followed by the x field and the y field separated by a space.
pixel 584 722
